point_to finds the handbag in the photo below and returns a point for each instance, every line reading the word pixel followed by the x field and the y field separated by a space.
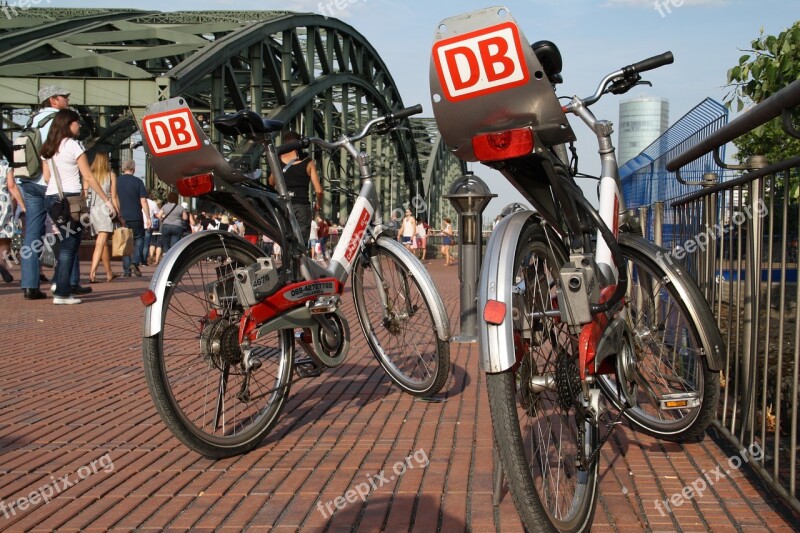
pixel 70 210
pixel 122 242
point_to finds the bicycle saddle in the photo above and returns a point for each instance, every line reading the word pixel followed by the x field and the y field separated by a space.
pixel 246 122
pixel 549 56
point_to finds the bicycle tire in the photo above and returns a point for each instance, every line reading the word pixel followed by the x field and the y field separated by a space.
pixel 665 333
pixel 404 339
pixel 532 429
pixel 196 355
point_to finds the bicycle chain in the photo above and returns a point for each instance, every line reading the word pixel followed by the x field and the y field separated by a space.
pixel 596 451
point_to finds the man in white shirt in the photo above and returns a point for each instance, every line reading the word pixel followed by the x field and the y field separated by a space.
pixel 52 99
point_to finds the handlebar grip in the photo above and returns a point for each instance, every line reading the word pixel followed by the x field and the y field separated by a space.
pixel 652 62
pixel 294 145
pixel 403 113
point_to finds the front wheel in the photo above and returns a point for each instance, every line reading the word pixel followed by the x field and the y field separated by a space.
pixel 216 398
pixel 396 312
pixel 545 423
pixel 666 373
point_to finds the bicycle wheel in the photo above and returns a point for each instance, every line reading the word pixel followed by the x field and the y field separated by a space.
pixel 397 318
pixel 543 429
pixel 215 398
pixel 675 392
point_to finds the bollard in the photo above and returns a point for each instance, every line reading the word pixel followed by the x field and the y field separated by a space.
pixel 469 195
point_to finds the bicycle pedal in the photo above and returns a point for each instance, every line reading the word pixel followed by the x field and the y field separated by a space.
pixel 679 400
pixel 307 368
pixel 324 305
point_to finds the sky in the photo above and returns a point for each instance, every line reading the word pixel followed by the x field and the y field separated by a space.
pixel 595 37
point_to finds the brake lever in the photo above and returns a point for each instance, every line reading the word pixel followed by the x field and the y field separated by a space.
pixel 386 127
pixel 624 84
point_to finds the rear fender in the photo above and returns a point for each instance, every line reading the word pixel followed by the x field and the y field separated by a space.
pixel 496 341
pixel 154 314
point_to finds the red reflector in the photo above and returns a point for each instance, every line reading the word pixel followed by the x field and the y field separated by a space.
pixel 503 145
pixel 494 312
pixel 148 298
pixel 195 185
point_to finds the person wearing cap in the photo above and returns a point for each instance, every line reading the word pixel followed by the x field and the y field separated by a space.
pixel 52 99
pixel 135 213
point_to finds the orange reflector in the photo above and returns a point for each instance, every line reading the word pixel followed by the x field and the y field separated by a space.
pixel 676 403
pixel 148 298
pixel 503 145
pixel 494 312
pixel 195 185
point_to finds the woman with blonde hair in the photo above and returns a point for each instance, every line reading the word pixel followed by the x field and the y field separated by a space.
pixel 99 215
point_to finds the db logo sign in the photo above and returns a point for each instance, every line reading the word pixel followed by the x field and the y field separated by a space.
pixel 170 133
pixel 480 62
pixel 358 235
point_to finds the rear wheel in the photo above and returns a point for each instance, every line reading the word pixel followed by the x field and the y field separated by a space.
pixel 543 425
pixel 397 320
pixel 216 398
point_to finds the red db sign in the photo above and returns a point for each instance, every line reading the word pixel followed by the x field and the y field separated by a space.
pixel 170 133
pixel 481 62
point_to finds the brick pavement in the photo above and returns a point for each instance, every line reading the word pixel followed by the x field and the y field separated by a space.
pixel 77 425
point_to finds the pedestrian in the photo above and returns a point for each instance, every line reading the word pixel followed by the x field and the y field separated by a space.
pixel 422 238
pixel 52 100
pixel 313 237
pixel 100 217
pixel 155 241
pixel 9 195
pixel 300 171
pixel 172 216
pixel 323 234
pixel 135 214
pixel 65 162
pixel 447 241
pixel 148 233
pixel 408 230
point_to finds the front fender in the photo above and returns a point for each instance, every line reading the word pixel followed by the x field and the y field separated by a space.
pixel 496 341
pixel 153 314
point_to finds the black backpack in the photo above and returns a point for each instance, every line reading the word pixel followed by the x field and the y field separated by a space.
pixel 27 163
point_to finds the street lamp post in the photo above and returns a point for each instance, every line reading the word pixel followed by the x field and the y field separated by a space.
pixel 469 195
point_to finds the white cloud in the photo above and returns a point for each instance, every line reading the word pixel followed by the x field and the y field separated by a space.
pixel 676 3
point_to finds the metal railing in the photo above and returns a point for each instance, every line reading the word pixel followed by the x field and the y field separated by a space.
pixel 739 240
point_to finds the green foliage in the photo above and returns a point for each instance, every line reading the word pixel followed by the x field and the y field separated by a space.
pixel 772 63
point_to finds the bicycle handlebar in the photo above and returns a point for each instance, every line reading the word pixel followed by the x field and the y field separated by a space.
pixel 628 74
pixel 388 119
pixel 651 63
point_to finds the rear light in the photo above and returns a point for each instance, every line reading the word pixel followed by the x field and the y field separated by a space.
pixel 503 144
pixel 494 312
pixel 148 298
pixel 195 185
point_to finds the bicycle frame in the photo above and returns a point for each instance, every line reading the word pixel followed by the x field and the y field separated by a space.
pixel 181 153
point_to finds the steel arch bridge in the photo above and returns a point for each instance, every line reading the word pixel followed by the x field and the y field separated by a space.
pixel 317 74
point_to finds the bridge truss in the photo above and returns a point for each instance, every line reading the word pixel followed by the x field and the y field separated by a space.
pixel 317 74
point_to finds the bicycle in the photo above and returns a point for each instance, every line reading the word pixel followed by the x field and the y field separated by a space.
pixel 222 320
pixel 574 304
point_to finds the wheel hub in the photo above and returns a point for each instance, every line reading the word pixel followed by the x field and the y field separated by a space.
pixel 568 381
pixel 219 344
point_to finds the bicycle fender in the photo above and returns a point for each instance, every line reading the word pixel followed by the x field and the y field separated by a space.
pixel 496 341
pixel 153 314
pixel 426 284
pixel 699 311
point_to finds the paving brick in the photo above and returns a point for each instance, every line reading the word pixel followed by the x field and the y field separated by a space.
pixel 338 432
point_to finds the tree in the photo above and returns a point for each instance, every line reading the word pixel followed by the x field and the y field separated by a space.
pixel 771 64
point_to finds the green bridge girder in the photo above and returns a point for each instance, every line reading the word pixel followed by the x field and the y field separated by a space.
pixel 317 74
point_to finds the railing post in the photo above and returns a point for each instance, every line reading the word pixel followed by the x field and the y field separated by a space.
pixel 658 222
pixel 752 293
